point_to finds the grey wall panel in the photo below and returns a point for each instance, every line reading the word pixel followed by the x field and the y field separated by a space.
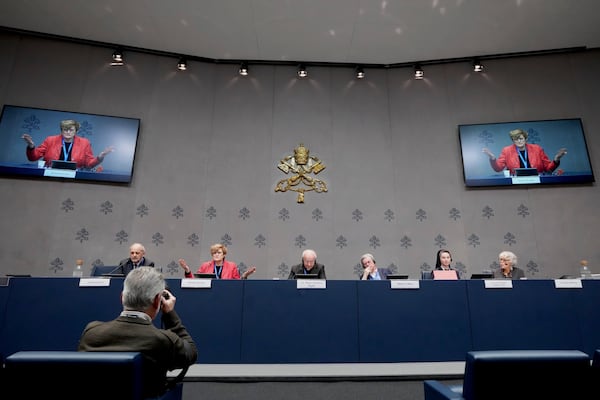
pixel 210 142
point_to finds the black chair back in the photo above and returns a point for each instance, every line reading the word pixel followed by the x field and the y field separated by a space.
pixel 526 374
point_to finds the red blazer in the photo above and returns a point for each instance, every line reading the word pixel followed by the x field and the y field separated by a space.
pixel 509 158
pixel 230 270
pixel 50 149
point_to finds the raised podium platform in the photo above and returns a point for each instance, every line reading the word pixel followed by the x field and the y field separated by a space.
pixel 268 322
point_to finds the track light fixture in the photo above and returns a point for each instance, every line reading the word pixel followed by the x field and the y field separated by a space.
pixel 360 73
pixel 302 72
pixel 182 64
pixel 244 69
pixel 419 74
pixel 117 58
pixel 477 65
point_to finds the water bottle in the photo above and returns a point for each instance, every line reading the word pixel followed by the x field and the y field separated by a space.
pixel 78 271
pixel 584 270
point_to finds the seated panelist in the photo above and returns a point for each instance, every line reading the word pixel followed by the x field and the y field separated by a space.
pixel 137 258
pixel 443 259
pixel 370 270
pixel 222 268
pixel 308 265
pixel 508 267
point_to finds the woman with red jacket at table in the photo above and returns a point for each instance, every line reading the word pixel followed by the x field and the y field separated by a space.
pixel 66 146
pixel 218 265
pixel 520 154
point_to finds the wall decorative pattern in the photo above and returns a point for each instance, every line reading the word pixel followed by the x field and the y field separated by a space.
pixel 209 140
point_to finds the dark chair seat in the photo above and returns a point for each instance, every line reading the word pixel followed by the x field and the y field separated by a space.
pixel 519 374
pixel 596 362
pixel 81 375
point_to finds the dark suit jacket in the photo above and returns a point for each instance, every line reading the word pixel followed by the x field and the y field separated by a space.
pixel 125 266
pixel 383 274
pixel 298 269
pixel 166 349
pixel 517 273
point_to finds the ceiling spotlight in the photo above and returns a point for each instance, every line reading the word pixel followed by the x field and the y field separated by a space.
pixel 302 72
pixel 419 72
pixel 243 69
pixel 182 64
pixel 117 58
pixel 360 73
pixel 477 66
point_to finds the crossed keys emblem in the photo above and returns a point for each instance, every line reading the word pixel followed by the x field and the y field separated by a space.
pixel 301 165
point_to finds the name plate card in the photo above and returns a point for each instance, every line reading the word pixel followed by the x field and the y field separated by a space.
pixel 404 284
pixel 524 180
pixel 94 282
pixel 568 284
pixel 311 283
pixel 498 283
pixel 196 283
pixel 60 173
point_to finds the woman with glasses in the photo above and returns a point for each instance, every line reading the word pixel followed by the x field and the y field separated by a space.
pixel 223 269
pixel 521 154
pixel 508 267
pixel 66 146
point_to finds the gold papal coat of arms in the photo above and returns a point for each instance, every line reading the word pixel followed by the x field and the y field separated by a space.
pixel 301 165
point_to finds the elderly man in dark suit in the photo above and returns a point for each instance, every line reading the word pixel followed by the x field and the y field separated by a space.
pixel 137 258
pixel 309 265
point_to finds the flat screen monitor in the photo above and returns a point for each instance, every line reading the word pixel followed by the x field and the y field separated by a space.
pixel 102 132
pixel 58 164
pixel 482 275
pixel 397 276
pixel 106 270
pixel 306 276
pixel 204 276
pixel 526 172
pixel 480 144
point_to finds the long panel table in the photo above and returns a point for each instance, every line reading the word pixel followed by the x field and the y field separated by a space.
pixel 430 323
pixel 282 324
pixel 533 314
pixel 272 321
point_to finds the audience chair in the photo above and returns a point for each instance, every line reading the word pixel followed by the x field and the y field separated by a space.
pixel 83 375
pixel 596 361
pixel 426 275
pixel 518 374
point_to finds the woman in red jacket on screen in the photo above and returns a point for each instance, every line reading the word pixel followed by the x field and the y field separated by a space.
pixel 218 265
pixel 66 146
pixel 520 154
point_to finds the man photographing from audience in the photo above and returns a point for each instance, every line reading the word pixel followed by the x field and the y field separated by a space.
pixel 167 349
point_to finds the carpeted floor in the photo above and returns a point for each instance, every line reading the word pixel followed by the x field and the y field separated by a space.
pixel 313 390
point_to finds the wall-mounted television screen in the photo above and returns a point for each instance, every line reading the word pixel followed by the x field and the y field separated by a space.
pixel 525 153
pixel 66 145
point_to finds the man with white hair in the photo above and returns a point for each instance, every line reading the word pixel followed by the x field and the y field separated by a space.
pixel 370 270
pixel 171 347
pixel 137 258
pixel 309 265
